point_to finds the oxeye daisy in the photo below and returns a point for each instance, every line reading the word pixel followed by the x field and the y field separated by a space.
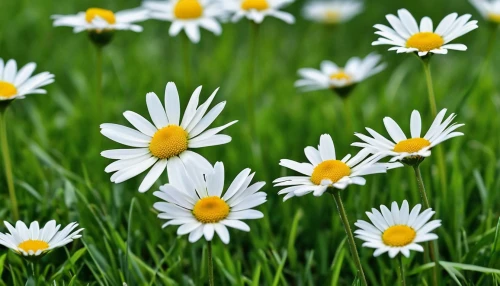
pixel 36 241
pixel 338 79
pixel 331 12
pixel 257 10
pixel 168 142
pixel 489 9
pixel 414 149
pixel 188 15
pixel 397 230
pixel 406 36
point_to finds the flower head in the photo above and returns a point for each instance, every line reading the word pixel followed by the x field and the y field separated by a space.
pixel 37 241
pixel 188 15
pixel 18 83
pixel 414 148
pixel 397 230
pixel 200 206
pixel 257 10
pixel 331 12
pixel 406 36
pixel 330 76
pixel 489 9
pixel 324 170
pixel 167 143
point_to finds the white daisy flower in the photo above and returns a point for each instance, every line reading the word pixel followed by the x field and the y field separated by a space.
pixel 98 20
pixel 257 10
pixel 331 12
pixel 403 149
pixel 188 15
pixel 489 9
pixel 167 143
pixel 397 230
pixel 330 76
pixel 18 83
pixel 406 36
pixel 200 206
pixel 37 241
pixel 324 170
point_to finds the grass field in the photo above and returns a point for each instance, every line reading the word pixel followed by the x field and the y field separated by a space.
pixel 59 174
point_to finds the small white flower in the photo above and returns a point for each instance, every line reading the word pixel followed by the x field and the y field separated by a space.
pixel 200 206
pixel 35 240
pixel 324 170
pixel 489 9
pixel 330 76
pixel 406 36
pixel 188 15
pixel 332 12
pixel 397 230
pixel 401 147
pixel 167 143
pixel 97 19
pixel 257 10
pixel 16 84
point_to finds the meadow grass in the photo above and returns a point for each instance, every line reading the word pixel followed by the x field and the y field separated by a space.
pixel 55 145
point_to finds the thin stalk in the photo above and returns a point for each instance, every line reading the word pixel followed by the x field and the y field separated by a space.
pixel 430 88
pixel 350 237
pixel 402 270
pixel 210 265
pixel 187 60
pixel 251 77
pixel 425 201
pixel 348 115
pixel 7 163
pixel 99 78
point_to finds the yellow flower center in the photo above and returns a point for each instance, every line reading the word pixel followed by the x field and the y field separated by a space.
pixel 411 145
pixel 7 89
pixel 188 9
pixel 33 245
pixel 398 235
pixel 494 17
pixel 341 75
pixel 168 142
pixel 333 170
pixel 258 5
pixel 107 15
pixel 332 16
pixel 211 210
pixel 425 41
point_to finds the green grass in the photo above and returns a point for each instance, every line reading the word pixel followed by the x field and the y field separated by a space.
pixel 55 145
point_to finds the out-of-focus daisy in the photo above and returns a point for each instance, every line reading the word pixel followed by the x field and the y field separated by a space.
pixel 188 15
pixel 18 83
pixel 341 80
pixel 200 206
pixel 35 241
pixel 324 170
pixel 415 148
pixel 331 12
pixel 98 19
pixel 406 36
pixel 490 10
pixel 397 230
pixel 257 10
pixel 166 143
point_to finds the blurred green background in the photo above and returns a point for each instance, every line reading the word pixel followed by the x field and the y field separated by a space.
pixel 55 145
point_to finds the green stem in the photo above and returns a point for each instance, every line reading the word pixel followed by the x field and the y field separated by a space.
pixel 425 201
pixel 99 78
pixel 7 163
pixel 187 60
pixel 251 77
pixel 350 237
pixel 210 265
pixel 402 270
pixel 348 115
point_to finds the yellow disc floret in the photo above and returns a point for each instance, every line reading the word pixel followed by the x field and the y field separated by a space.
pixel 411 145
pixel 398 235
pixel 107 15
pixel 341 75
pixel 188 9
pixel 494 17
pixel 332 16
pixel 425 41
pixel 332 170
pixel 258 5
pixel 211 210
pixel 33 245
pixel 168 142
pixel 7 89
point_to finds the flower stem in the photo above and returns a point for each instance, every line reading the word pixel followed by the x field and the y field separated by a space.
pixel 7 163
pixel 402 270
pixel 348 115
pixel 99 78
pixel 425 201
pixel 350 237
pixel 251 77
pixel 187 60
pixel 210 265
